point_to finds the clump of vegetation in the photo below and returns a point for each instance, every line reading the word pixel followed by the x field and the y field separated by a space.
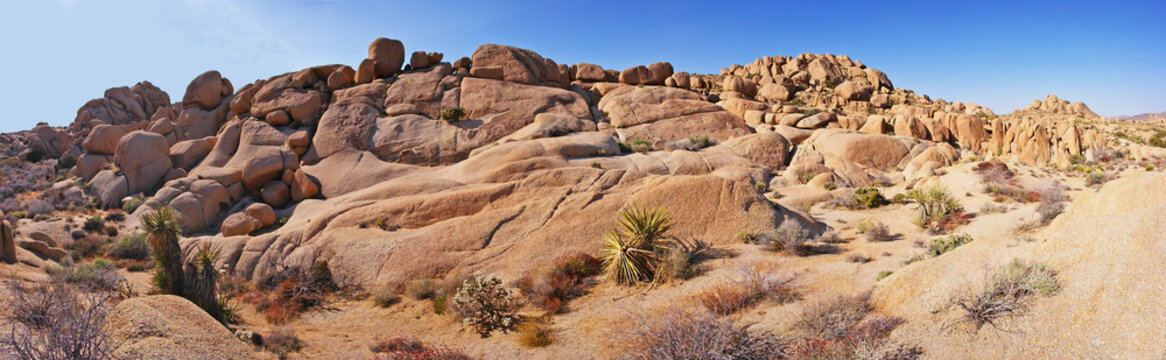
pixel 485 305
pixel 57 321
pixel 401 348
pixel 858 258
pixel 1096 178
pixel 686 334
pixel 1052 203
pixel 385 296
pixel 94 224
pixel 630 252
pixel 453 114
pixel 939 212
pixel 753 284
pixel 282 341
pixel 131 204
pixel 868 198
pixel 844 328
pixel 536 332
pixel 1006 293
pixel 940 246
pixel 422 289
pixel 283 294
pixel 701 141
pixel 66 162
pixel 883 275
pixel 35 154
pixel 874 231
pixel 791 238
pixel 132 247
pixel 567 278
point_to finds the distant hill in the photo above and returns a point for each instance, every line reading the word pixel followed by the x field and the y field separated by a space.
pixel 1142 117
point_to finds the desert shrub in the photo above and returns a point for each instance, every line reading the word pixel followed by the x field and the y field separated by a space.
pixel 453 114
pixel 56 321
pixel 868 198
pixel 685 334
pixel 162 228
pixel 67 162
pixel 791 238
pixel 630 249
pixel 536 332
pixel 422 289
pixel 131 204
pixel 899 198
pixel 939 212
pixel 1052 203
pixel 407 348
pixel 132 247
pixel 993 172
pixel 439 304
pixel 283 294
pixel 1005 293
pixel 992 208
pixel 940 246
pixel 858 258
pixel 485 305
pixel 282 341
pixel 94 224
pixel 1096 177
pixel 877 232
pixel 701 141
pixel 677 260
pixel 385 296
pixel 865 339
pixel 39 208
pixel 883 274
pixel 202 282
pixel 833 317
pixel 35 154
pixel 565 279
pixel 754 283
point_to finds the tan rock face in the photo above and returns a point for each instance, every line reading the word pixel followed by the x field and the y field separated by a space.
pixel 207 90
pixel 169 327
pixel 387 56
pixel 103 139
pixel 589 72
pixel 7 241
pixel 636 75
pixel 511 64
pixel 123 105
pixel 144 158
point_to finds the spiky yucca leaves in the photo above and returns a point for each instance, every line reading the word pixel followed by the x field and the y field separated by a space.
pixel 162 228
pixel 203 280
pixel 936 206
pixel 630 249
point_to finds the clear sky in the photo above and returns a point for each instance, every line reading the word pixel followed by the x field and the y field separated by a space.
pixel 1003 54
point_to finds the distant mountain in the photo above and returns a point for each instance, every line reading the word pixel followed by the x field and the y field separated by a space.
pixel 1142 117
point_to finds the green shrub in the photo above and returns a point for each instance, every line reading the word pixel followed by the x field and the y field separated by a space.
pixel 34 155
pixel 868 197
pixel 1096 177
pixel 94 224
pixel 453 114
pixel 701 141
pixel 630 249
pixel 940 246
pixel 132 247
pixel 66 162
pixel 485 305
pixel 939 212
pixel 439 304
pixel 883 275
pixel 130 205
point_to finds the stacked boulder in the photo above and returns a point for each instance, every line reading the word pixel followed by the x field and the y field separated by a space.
pixel 203 110
pixel 123 106
pixel 255 217
pixel 7 241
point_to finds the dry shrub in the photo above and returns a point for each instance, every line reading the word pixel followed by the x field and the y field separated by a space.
pixel 57 321
pixel 536 332
pixel 992 208
pixel 567 278
pixel 678 333
pixel 282 341
pixel 843 328
pixel 407 348
pixel 1052 203
pixel 790 238
pixel 386 296
pixel 1005 294
pixel 858 258
pixel 755 282
pixel 422 289
pixel 877 232
pixel 485 305
pixel 282 295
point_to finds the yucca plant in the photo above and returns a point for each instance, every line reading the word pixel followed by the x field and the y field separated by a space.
pixel 203 280
pixel 936 207
pixel 630 249
pixel 162 228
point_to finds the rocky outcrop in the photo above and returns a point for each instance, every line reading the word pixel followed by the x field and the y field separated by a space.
pixel 659 114
pixel 511 64
pixel 169 327
pixel 123 105
pixel 7 241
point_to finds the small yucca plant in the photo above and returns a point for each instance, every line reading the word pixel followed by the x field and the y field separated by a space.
pixel 630 249
pixel 204 280
pixel 162 228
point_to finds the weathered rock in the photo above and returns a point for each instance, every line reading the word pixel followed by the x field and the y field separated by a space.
pixel 738 84
pixel 144 158
pixel 511 64
pixel 187 154
pixel 123 105
pixel 276 193
pixel 207 90
pixel 341 78
pixel 303 186
pixel 387 56
pixel 817 120
pixel 277 118
pixel 768 149
pixel 774 92
pixel 109 188
pixel 365 72
pixel 636 75
pixel 103 139
pixel 854 90
pixel 168 327
pixel 53 142
pixel 876 124
pixel 658 72
pixel 7 241
pixel 43 249
pixel 589 72
pixel 240 224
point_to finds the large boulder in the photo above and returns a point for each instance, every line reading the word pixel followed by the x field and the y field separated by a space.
pixel 868 150
pixel 102 139
pixel 144 158
pixel 636 75
pixel 658 114
pixel 187 154
pixel 52 141
pixel 774 92
pixel 123 105
pixel 768 149
pixel 207 90
pixel 511 64
pixel 292 94
pixel 589 72
pixel 7 241
pixel 169 327
pixel 387 56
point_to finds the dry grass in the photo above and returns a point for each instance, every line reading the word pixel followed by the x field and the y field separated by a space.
pixel 282 341
pixel 875 231
pixel 567 278
pixel 1005 294
pixel 844 328
pixel 677 333
pixel 789 238
pixel 536 332
pixel 408 348
pixel 755 282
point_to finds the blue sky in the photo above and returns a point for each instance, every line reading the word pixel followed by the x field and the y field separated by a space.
pixel 1002 54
